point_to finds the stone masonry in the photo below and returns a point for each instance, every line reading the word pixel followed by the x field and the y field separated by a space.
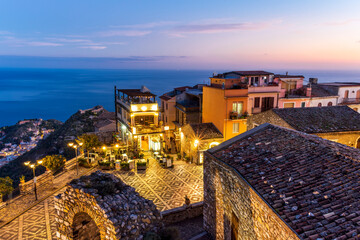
pixel 101 206
pixel 228 197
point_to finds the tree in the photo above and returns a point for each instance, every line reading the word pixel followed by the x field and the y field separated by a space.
pixel 53 162
pixel 89 142
pixel 6 185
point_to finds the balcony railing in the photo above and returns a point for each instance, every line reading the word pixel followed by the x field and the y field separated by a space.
pixel 235 115
pixel 351 100
pixel 264 88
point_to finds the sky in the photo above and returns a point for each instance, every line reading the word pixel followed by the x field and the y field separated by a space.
pixel 226 34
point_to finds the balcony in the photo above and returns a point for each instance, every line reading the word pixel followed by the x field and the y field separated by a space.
pixel 144 107
pixel 350 101
pixel 148 129
pixel 235 115
pixel 266 88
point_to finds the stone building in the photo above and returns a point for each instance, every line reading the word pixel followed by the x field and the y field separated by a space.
pixel 339 123
pixel 101 206
pixel 277 183
pixel 197 138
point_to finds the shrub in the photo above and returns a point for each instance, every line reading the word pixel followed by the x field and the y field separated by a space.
pixel 6 185
pixel 107 164
pixel 187 159
pixel 179 156
pixel 83 163
pixel 54 162
pixel 141 163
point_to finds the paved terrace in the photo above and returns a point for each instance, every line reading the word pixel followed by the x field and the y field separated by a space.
pixel 165 187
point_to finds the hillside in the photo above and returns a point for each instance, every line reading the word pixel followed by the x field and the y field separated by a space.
pixel 56 143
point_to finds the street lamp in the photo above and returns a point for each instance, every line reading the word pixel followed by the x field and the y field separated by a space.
pixel 33 166
pixel 71 144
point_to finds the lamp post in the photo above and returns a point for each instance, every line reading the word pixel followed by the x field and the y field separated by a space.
pixel 76 154
pixel 33 166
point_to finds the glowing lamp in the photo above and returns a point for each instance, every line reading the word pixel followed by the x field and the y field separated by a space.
pixel 196 142
pixel 154 107
pixel 134 130
pixel 70 144
pixel 104 148
pixel 166 128
pixel 143 108
pixel 117 145
pixel 134 108
pixel 40 162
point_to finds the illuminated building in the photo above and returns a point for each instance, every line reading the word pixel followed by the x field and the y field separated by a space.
pixel 137 117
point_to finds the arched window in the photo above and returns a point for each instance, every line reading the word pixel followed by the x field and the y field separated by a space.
pixel 329 104
pixel 319 105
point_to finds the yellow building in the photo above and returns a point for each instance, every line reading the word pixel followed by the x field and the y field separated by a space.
pixel 137 116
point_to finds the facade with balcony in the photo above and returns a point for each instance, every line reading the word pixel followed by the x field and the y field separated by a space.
pixel 137 118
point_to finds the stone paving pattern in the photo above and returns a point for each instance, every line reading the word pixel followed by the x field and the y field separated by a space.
pixel 165 187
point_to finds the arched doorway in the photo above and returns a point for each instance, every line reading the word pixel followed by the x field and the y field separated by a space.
pixel 319 105
pixel 84 227
pixel 329 104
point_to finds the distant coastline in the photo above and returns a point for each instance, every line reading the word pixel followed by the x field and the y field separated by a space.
pixel 56 93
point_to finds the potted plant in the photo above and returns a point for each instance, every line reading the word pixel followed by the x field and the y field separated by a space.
pixel 141 165
pixel 22 179
pixel 124 166
pixel 233 115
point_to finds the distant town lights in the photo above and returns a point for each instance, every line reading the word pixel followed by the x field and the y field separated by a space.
pixel 143 108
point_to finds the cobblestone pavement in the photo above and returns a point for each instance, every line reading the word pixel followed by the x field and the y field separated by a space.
pixel 165 187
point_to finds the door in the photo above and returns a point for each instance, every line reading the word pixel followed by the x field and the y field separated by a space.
pixel 267 103
pixel 234 227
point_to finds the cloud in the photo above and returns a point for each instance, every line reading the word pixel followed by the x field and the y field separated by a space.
pixel 126 33
pixel 94 47
pixel 69 40
pixel 5 33
pixel 147 25
pixel 342 23
pixel 43 44
pixel 210 28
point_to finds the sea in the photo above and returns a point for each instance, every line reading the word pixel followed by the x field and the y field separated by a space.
pixel 59 93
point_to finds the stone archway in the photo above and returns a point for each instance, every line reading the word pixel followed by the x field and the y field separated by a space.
pixel 84 227
pixel 103 203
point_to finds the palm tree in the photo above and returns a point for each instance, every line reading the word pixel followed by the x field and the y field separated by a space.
pixel 89 141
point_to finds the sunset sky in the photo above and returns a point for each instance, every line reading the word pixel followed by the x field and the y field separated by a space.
pixel 183 34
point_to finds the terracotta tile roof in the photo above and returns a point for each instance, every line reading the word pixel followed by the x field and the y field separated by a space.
pixel 250 73
pixel 205 130
pixel 312 183
pixel 320 119
pixel 341 84
pixel 288 76
pixel 319 91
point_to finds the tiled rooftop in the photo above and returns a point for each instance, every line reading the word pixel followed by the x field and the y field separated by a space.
pixel 320 119
pixel 205 130
pixel 312 183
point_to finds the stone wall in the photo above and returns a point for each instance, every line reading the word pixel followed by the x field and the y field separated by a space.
pixel 42 180
pixel 346 138
pixel 233 209
pixel 115 208
pixel 182 213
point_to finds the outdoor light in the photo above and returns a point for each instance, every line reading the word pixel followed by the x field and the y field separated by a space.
pixel 179 129
pixel 196 142
pixel 104 148
pixel 161 135
pixel 134 108
pixel 27 163
pixel 33 166
pixel 166 128
pixel 76 154
pixel 181 135
pixel 81 144
pixel 143 108
pixel 123 127
pixel 117 145
pixel 39 161
pixel 154 107
pixel 70 144
pixel 134 130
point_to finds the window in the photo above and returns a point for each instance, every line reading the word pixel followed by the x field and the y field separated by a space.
pixel 166 119
pixel 346 94
pixel 303 104
pixel 267 103
pixel 319 105
pixel 257 102
pixel 237 107
pixel 254 81
pixel 166 106
pixel 289 105
pixel 235 127
pixel 329 104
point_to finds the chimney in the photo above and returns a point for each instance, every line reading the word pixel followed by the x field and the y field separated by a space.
pixel 313 80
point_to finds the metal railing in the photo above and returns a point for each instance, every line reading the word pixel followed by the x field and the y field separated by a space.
pixel 351 100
